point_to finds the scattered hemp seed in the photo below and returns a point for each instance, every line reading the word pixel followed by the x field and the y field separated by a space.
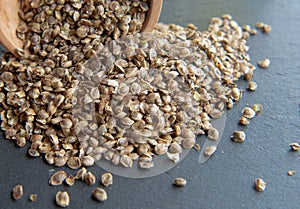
pixel 100 194
pixel 291 172
pixel 90 178
pixel 295 146
pixel 238 136
pixel 259 25
pixel 248 112
pixel 62 199
pixel 260 184
pixel 257 108
pixel 208 151
pixel 244 121
pixel 197 147
pixel 81 173
pixel 17 192
pixel 107 179
pixel 266 28
pixel 32 197
pixel 179 182
pixel 70 180
pixel 57 178
pixel 265 63
pixel 252 86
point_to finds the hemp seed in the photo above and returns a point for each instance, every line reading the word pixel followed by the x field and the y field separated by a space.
pixel 62 199
pixel 107 179
pixel 100 194
pixel 17 192
pixel 179 182
pixel 238 136
pixel 260 184
pixel 265 63
pixel 32 197
pixel 295 146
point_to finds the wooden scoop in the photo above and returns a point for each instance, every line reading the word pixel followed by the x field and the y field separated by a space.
pixel 9 21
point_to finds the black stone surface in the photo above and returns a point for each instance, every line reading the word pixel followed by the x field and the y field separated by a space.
pixel 225 181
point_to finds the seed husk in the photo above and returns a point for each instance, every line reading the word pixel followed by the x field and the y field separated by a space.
pixel 260 184
pixel 62 199
pixel 179 182
pixel 32 197
pixel 107 179
pixel 210 150
pixel 57 178
pixel 238 136
pixel 100 194
pixel 17 192
pixel 295 146
pixel 265 63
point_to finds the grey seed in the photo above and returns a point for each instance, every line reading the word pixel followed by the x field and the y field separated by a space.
pixel 209 150
pixel 238 136
pixel 179 182
pixel 17 192
pixel 57 178
pixel 62 199
pixel 252 86
pixel 100 194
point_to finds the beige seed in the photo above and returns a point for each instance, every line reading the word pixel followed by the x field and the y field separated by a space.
pixel 260 184
pixel 267 28
pixel 291 172
pixel 175 157
pixel 100 194
pixel 259 25
pixel 74 162
pixel 90 178
pixel 17 192
pixel 57 178
pixel 248 112
pixel 62 199
pixel 32 197
pixel 295 146
pixel 257 108
pixel 179 182
pixel 81 173
pixel 208 151
pixel 265 63
pixel 197 147
pixel 126 161
pixel 70 180
pixel 238 136
pixel 244 121
pixel 252 86
pixel 213 134
pixel 107 179
pixel 87 161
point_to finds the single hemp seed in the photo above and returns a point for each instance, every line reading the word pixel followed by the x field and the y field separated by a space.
pixel 265 63
pixel 208 151
pixel 17 192
pixel 295 146
pixel 107 179
pixel 100 194
pixel 62 199
pixel 32 197
pixel 179 182
pixel 291 172
pixel 238 136
pixel 248 112
pixel 260 184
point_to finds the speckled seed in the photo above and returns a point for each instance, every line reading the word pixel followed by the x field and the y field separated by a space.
pixel 238 136
pixel 88 161
pixel 213 134
pixel 17 192
pixel 248 112
pixel 260 184
pixel 252 86
pixel 57 178
pixel 208 151
pixel 265 63
pixel 107 179
pixel 100 194
pixel 90 178
pixel 62 199
pixel 295 146
pixel 180 182
pixel 81 173
pixel 32 197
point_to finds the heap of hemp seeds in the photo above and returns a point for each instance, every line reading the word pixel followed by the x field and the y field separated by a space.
pixel 197 81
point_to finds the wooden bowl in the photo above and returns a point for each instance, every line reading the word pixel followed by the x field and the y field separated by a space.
pixel 9 20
